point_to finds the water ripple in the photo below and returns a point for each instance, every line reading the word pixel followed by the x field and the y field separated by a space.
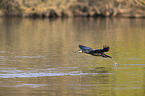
pixel 38 56
pixel 134 64
pixel 41 74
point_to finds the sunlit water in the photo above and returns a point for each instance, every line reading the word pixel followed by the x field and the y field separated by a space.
pixel 37 57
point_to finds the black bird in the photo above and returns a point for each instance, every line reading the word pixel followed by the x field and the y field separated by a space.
pixel 97 52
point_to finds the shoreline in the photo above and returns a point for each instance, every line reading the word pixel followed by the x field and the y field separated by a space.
pixel 72 8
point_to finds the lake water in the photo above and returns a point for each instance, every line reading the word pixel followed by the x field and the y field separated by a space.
pixel 37 57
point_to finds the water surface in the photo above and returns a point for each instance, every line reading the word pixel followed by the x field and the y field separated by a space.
pixel 37 57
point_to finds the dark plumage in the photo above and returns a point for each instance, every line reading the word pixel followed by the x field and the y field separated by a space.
pixel 97 52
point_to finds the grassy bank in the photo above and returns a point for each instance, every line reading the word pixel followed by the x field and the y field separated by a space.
pixel 72 8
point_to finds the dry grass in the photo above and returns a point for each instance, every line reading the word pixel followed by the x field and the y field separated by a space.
pixel 58 8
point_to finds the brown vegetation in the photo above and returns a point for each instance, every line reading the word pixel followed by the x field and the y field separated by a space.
pixel 69 8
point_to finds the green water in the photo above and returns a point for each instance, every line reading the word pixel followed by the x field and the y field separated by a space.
pixel 37 58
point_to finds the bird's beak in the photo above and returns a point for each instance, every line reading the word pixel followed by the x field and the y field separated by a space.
pixel 80 51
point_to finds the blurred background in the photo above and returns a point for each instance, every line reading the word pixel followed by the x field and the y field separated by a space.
pixel 69 8
pixel 37 51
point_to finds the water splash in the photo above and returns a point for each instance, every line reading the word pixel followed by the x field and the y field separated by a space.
pixel 115 63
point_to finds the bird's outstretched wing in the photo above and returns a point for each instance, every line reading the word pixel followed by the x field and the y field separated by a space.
pixel 85 49
pixel 105 49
